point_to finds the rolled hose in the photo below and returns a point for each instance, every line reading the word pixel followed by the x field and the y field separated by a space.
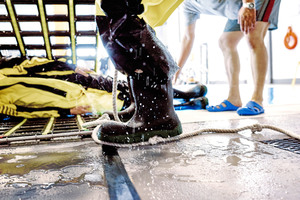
pixel 290 39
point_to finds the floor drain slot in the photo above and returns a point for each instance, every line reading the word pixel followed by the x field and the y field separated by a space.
pixel 288 144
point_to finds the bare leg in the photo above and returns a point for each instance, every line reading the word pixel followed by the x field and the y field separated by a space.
pixel 259 63
pixel 259 59
pixel 186 47
pixel 228 43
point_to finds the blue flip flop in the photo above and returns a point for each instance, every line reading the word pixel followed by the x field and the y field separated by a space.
pixel 251 108
pixel 220 108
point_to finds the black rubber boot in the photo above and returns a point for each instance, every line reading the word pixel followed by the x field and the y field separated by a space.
pixel 106 83
pixel 198 90
pixel 195 93
pixel 124 115
pixel 197 103
pixel 128 109
pixel 115 9
pixel 154 114
pixel 136 51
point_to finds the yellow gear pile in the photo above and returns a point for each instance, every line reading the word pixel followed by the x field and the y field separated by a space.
pixel 34 97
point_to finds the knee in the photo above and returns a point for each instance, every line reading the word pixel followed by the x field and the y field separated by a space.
pixel 226 44
pixel 255 42
pixel 222 43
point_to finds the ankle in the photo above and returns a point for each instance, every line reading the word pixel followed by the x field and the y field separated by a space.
pixel 235 102
pixel 260 102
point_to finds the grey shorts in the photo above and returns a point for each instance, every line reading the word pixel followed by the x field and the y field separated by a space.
pixel 266 11
pixel 232 25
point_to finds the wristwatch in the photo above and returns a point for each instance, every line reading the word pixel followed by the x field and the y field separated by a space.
pixel 249 5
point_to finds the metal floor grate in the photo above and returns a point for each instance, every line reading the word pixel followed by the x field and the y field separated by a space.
pixel 288 144
pixel 57 26
pixel 21 130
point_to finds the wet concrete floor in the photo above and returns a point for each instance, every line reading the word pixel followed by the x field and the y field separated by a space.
pixel 218 166
pixel 209 166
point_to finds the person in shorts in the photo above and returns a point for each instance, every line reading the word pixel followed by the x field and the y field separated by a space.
pixel 246 18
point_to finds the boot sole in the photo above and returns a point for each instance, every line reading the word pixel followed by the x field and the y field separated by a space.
pixel 142 136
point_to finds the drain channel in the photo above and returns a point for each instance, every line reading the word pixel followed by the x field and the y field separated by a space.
pixel 288 144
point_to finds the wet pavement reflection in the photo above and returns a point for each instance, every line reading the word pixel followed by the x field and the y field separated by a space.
pixel 217 166
pixel 63 171
pixel 209 166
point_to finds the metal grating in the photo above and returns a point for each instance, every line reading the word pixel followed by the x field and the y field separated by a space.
pixel 287 144
pixel 69 23
pixel 37 130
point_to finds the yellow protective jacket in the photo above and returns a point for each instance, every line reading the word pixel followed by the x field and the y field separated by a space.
pixel 36 97
pixel 156 11
pixel 35 66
